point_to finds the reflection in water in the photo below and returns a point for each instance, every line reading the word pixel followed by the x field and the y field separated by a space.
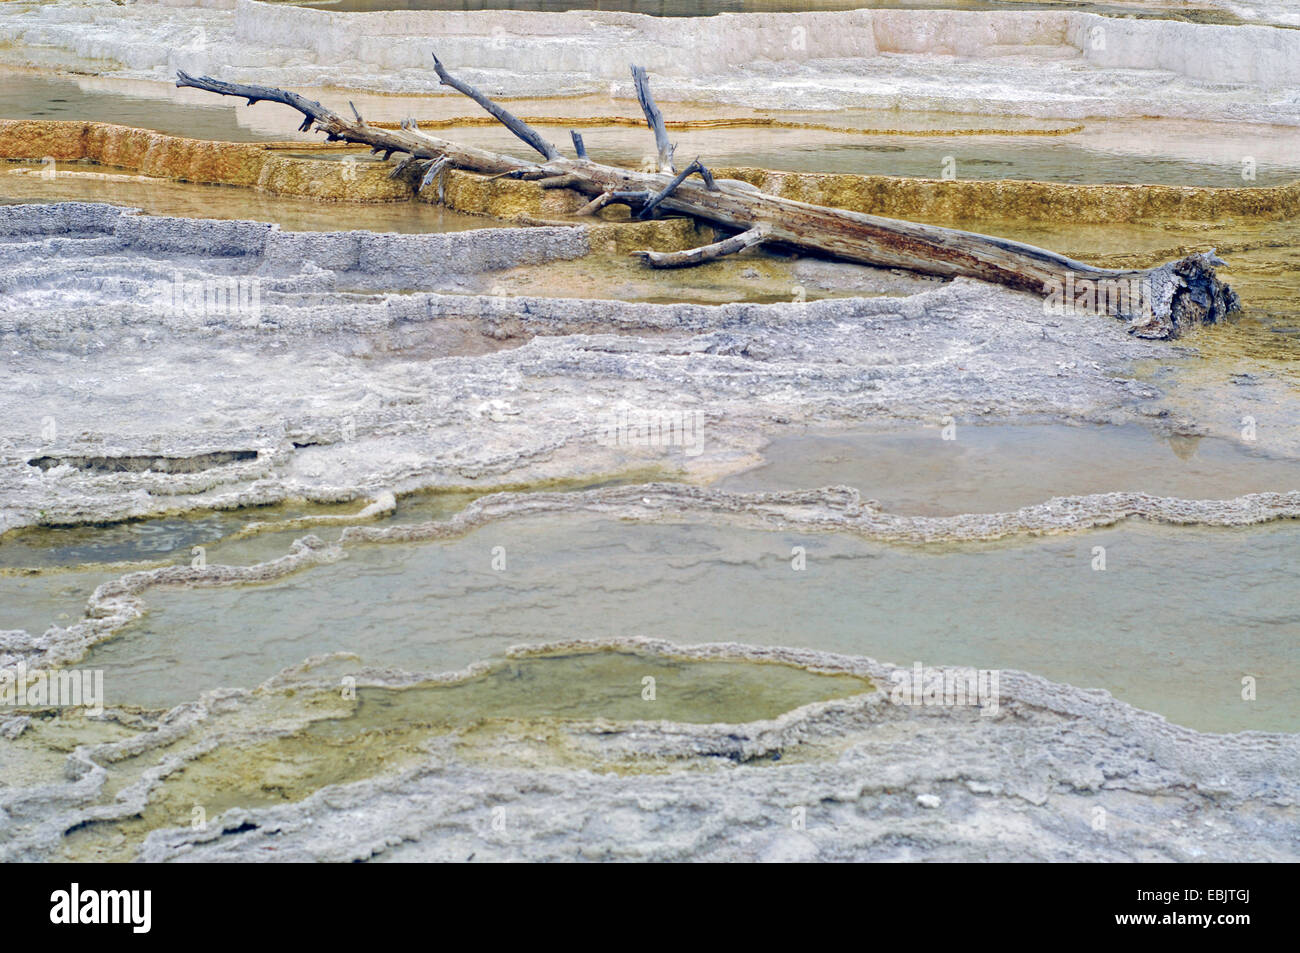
pixel 167 538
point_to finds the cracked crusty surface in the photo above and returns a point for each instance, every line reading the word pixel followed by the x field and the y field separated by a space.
pixel 1056 773
pixel 338 383
pixel 348 386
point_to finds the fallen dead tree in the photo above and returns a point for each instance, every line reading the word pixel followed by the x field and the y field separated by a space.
pixel 1157 302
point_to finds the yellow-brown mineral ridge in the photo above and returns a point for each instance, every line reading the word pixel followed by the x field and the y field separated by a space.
pixel 265 167
pixel 261 166
pixel 952 201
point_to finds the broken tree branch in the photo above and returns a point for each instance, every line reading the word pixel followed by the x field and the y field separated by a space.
pixel 596 204
pixel 1157 302
pixel 634 197
pixel 435 171
pixel 671 187
pixel 401 167
pixel 654 119
pixel 516 125
pixel 566 181
pixel 697 256
pixel 338 129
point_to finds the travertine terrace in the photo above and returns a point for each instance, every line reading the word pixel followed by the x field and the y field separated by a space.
pixel 250 376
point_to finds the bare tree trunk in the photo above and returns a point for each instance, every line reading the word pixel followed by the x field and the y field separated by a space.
pixel 1157 302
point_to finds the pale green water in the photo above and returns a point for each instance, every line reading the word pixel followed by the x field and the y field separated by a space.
pixel 233 537
pixel 35 96
pixel 588 685
pixel 511 711
pixel 140 540
pixel 1174 622
pixel 1067 159
pixel 985 469
pixel 994 469
pixel 35 603
pixel 172 538
pixel 1071 159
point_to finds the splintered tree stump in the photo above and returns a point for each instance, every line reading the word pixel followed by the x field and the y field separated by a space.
pixel 1156 302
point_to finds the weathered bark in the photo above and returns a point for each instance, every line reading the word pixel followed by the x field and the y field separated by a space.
pixel 654 119
pixel 1158 302
pixel 578 145
pixel 566 181
pixel 697 256
pixel 655 201
pixel 520 128
pixel 596 204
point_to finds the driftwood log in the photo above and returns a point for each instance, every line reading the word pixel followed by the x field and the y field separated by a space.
pixel 1157 302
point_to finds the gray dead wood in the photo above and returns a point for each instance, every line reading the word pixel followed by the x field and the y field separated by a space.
pixel 697 256
pixel 1169 298
pixel 654 119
